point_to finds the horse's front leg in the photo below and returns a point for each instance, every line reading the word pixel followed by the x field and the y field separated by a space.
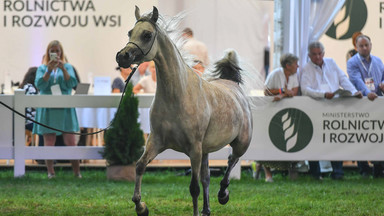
pixel 151 151
pixel 194 187
pixel 205 179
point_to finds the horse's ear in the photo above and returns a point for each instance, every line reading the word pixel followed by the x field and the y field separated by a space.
pixel 137 12
pixel 155 14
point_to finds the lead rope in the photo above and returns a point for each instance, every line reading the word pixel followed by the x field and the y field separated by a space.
pixel 68 132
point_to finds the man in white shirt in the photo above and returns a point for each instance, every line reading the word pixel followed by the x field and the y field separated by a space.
pixel 283 81
pixel 320 78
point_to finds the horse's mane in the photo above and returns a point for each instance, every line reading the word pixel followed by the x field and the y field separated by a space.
pixel 170 25
pixel 240 71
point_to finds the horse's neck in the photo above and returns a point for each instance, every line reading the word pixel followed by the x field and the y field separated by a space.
pixel 172 74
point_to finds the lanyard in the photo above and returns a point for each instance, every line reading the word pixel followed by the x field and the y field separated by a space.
pixel 365 68
pixel 54 71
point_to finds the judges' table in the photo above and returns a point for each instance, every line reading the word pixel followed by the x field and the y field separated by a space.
pixel 95 117
pixel 101 117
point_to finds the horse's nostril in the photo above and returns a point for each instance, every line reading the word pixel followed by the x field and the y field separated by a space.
pixel 123 59
pixel 121 56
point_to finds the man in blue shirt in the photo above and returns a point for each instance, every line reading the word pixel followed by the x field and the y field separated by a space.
pixel 366 72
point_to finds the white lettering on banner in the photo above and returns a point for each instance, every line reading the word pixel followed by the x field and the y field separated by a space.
pixel 57 17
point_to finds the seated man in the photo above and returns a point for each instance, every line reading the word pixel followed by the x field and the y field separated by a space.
pixel 320 78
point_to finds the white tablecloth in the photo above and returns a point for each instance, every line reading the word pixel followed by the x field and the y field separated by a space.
pixel 101 117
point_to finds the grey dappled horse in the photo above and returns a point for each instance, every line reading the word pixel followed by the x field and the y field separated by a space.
pixel 188 114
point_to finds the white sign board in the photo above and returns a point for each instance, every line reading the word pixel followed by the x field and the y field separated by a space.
pixel 302 128
pixel 91 31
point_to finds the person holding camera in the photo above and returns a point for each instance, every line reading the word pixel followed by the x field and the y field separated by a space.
pixel 56 77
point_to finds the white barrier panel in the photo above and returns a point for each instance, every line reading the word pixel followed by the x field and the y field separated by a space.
pixel 6 126
pixel 302 128
pixel 299 128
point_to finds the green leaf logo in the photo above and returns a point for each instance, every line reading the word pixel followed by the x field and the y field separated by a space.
pixel 290 130
pixel 350 19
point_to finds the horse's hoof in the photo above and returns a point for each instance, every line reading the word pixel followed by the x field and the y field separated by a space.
pixel 144 213
pixel 144 210
pixel 223 197
pixel 206 212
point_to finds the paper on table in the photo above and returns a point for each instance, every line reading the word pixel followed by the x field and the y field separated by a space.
pixel 102 86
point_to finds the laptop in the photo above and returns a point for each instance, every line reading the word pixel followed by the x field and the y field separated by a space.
pixel 82 88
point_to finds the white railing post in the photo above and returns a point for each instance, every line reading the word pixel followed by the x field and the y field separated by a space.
pixel 6 129
pixel 19 134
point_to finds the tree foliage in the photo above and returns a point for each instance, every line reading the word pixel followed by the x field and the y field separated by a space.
pixel 124 141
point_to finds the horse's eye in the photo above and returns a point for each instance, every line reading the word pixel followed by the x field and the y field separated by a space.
pixel 146 36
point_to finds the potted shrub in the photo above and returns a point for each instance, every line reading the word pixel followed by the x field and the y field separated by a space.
pixel 124 141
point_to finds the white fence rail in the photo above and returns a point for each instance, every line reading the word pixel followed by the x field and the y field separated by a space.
pixel 13 129
pixel 337 129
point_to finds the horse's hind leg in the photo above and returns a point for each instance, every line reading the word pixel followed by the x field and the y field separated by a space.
pixel 239 147
pixel 205 179
pixel 223 194
pixel 194 187
pixel 149 154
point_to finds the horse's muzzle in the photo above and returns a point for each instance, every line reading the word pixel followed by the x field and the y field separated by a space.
pixel 124 59
pixel 127 56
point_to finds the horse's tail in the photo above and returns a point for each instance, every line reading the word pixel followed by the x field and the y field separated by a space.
pixel 228 67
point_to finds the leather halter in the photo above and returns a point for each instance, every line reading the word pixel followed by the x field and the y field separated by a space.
pixel 153 41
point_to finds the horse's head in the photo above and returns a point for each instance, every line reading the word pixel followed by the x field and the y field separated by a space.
pixel 142 40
